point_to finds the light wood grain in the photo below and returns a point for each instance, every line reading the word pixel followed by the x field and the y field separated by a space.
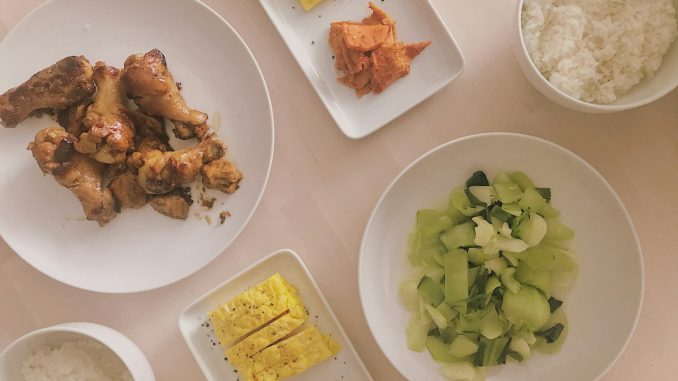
pixel 323 187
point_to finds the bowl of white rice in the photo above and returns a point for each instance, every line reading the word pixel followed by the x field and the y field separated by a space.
pixel 74 352
pixel 599 56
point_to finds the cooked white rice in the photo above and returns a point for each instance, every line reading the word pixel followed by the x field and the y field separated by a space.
pixel 84 360
pixel 597 50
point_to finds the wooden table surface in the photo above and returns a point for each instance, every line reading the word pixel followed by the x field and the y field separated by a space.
pixel 316 214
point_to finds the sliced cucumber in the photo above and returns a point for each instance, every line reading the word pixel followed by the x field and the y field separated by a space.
pixel 557 231
pixel 497 265
pixel 439 350
pixel 417 332
pixel 548 211
pixel 448 312
pixel 483 232
pixel 520 346
pixel 522 180
pixel 527 308
pixel 492 284
pixel 491 325
pixel 492 352
pixel 471 322
pixel 409 294
pixel 437 317
pixel 501 178
pixel 432 221
pixel 478 257
pixel 508 192
pixel 462 203
pixel 461 235
pixel 509 281
pixel 456 276
pixel 462 346
pixel 459 371
pixel 531 200
pixel 482 193
pixel 512 209
pixel 430 291
pixel 533 229
pixel 538 258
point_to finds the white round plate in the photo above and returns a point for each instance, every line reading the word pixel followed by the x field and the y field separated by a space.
pixel 140 249
pixel 602 307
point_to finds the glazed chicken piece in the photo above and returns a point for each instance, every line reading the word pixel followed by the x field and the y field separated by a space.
pixel 150 135
pixel 71 118
pixel 160 172
pixel 151 85
pixel 148 125
pixel 109 131
pixel 222 175
pixel 183 130
pixel 79 173
pixel 174 204
pixel 128 192
pixel 64 84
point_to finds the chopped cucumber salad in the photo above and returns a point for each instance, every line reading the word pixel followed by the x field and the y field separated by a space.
pixel 489 270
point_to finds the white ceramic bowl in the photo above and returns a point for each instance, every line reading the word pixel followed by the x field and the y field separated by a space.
pixel 603 305
pixel 12 357
pixel 647 91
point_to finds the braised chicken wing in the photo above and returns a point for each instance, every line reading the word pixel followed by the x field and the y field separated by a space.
pixel 160 172
pixel 71 118
pixel 222 175
pixel 174 204
pixel 79 173
pixel 64 84
pixel 151 85
pixel 128 192
pixel 109 131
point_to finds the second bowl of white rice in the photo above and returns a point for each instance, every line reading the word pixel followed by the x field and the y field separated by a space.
pixel 599 56
pixel 74 352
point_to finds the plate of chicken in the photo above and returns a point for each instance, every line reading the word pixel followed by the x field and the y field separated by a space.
pixel 133 152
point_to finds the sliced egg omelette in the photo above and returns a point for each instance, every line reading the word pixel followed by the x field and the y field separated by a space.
pixel 290 357
pixel 266 336
pixel 257 330
pixel 255 308
pixel 308 4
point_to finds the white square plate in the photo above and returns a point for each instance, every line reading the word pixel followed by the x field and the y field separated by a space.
pixel 306 34
pixel 210 356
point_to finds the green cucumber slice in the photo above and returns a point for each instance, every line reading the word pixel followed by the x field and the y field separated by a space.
pixel 461 235
pixel 430 291
pixel 456 276
pixel 462 346
pixel 527 308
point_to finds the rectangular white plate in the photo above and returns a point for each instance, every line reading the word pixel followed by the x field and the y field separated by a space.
pixel 306 34
pixel 347 366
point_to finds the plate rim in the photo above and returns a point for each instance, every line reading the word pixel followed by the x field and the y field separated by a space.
pixel 277 253
pixel 432 151
pixel 330 103
pixel 247 220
